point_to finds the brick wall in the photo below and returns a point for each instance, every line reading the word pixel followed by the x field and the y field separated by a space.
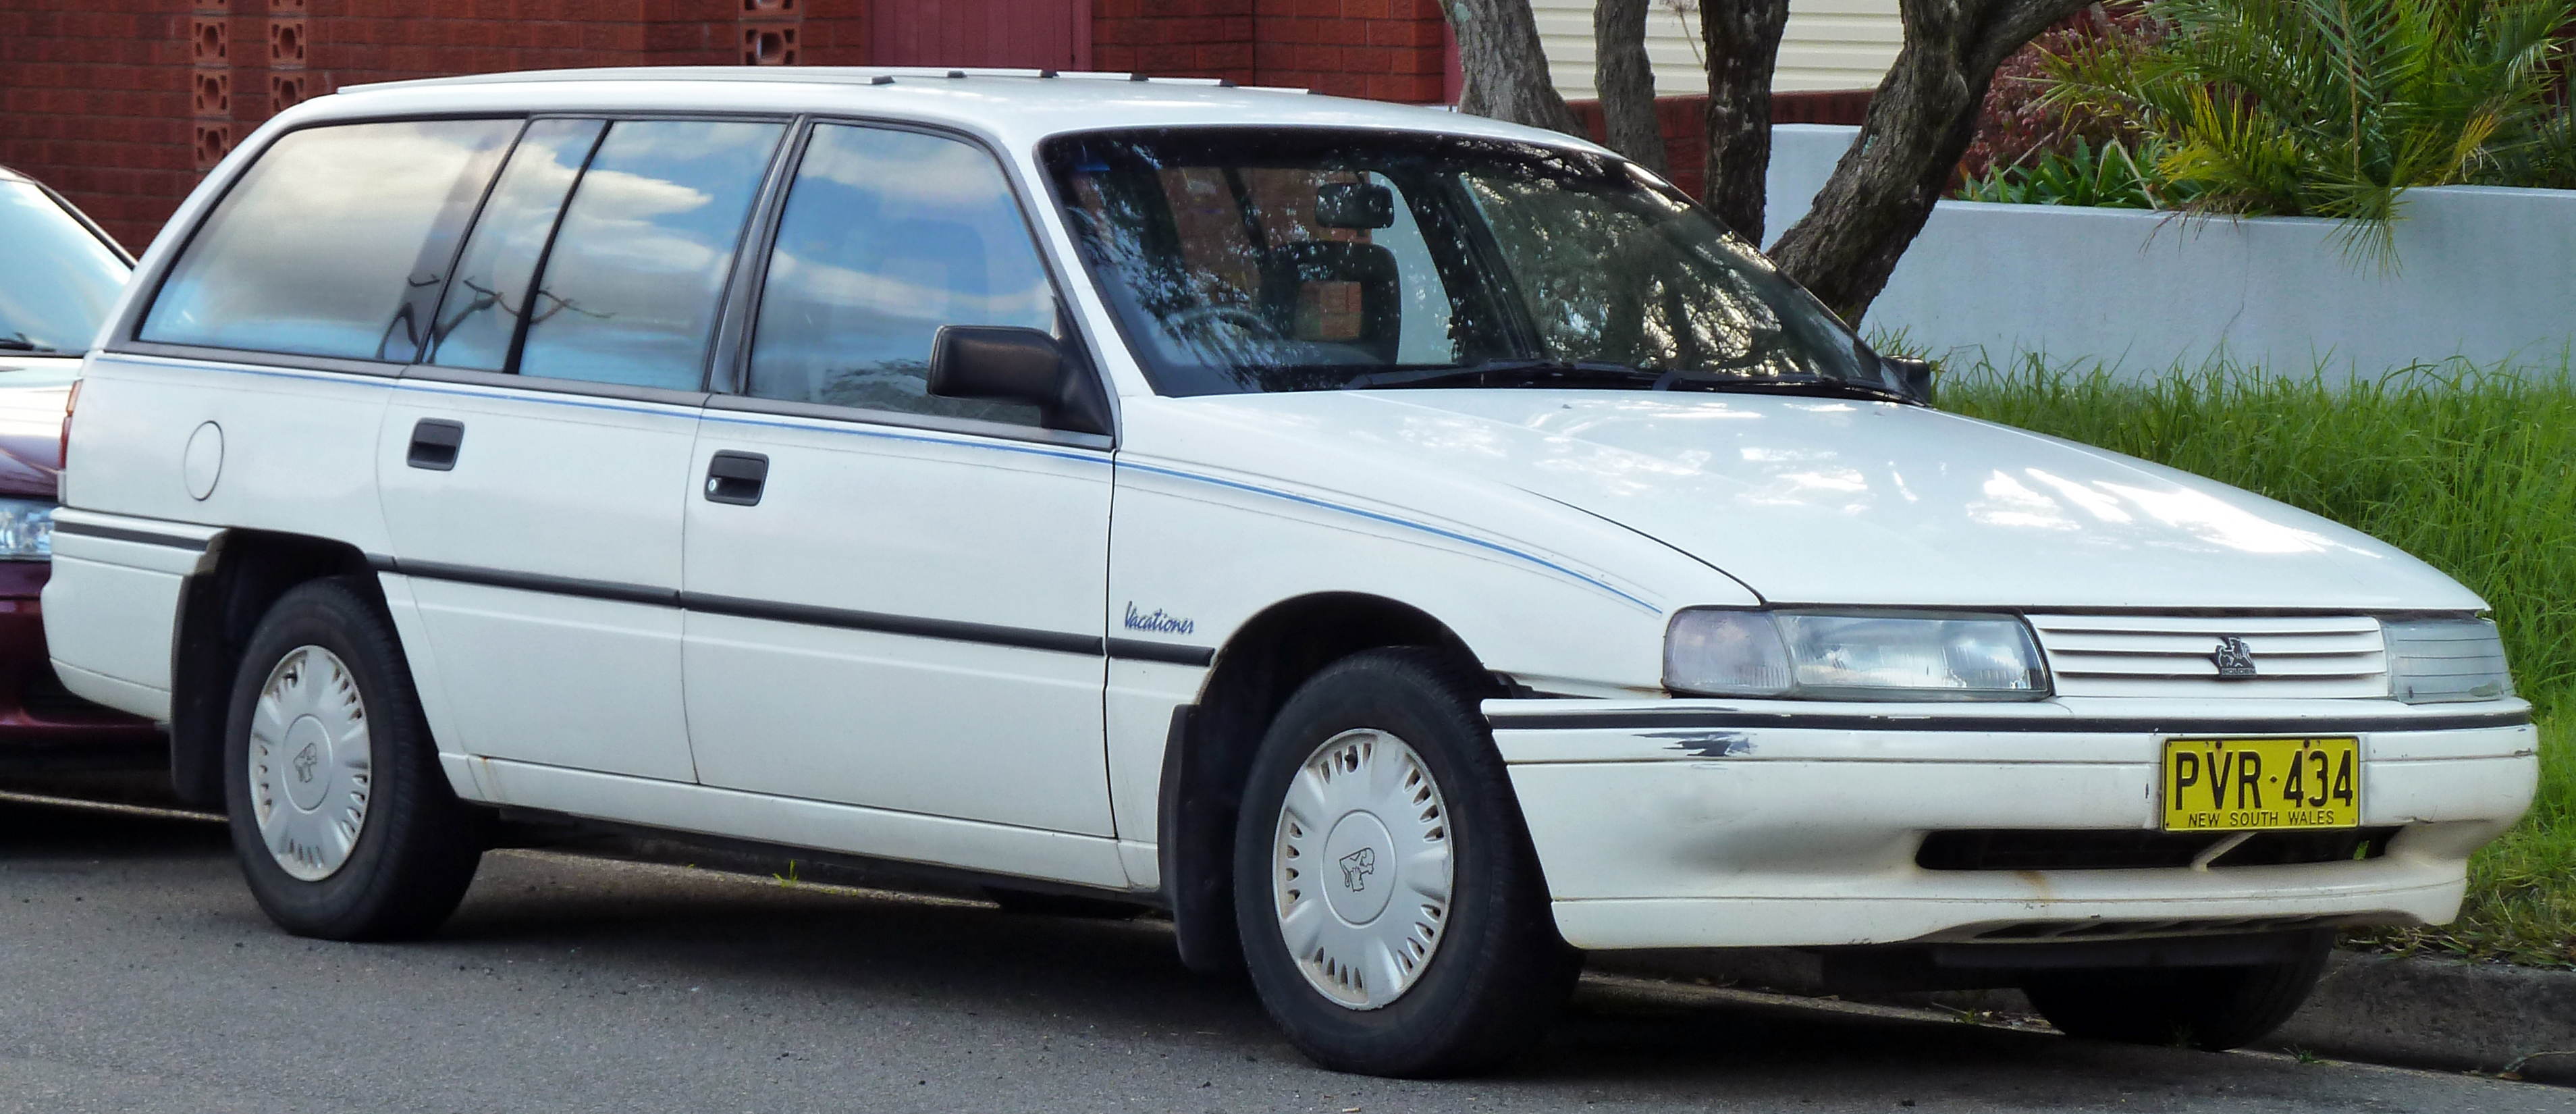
pixel 1174 38
pixel 1392 50
pixel 98 103
pixel 1388 50
pixel 123 104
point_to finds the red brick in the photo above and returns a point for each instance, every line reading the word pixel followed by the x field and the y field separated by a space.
pixel 1341 32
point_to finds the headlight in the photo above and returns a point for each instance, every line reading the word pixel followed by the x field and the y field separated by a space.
pixel 2435 661
pixel 1821 655
pixel 26 530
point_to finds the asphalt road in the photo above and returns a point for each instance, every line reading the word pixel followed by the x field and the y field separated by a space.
pixel 136 976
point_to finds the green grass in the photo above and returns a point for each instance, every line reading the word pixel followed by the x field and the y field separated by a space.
pixel 2471 469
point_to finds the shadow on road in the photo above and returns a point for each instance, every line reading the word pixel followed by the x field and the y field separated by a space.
pixel 583 939
pixel 42 831
pixel 1124 977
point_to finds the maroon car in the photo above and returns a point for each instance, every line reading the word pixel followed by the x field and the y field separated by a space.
pixel 60 276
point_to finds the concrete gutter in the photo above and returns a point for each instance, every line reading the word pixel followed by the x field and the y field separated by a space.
pixel 2441 1013
pixel 2415 1012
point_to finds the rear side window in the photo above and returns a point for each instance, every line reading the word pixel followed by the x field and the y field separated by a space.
pixel 324 246
pixel 629 290
pixel 889 235
pixel 479 321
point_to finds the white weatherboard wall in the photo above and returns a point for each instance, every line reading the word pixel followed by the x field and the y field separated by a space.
pixel 1828 44
pixel 2485 273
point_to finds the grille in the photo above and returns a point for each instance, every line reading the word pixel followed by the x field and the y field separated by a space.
pixel 2131 849
pixel 2159 655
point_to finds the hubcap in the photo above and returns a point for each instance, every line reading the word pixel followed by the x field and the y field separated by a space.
pixel 1361 869
pixel 309 763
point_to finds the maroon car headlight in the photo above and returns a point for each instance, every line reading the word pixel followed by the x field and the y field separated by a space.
pixel 26 530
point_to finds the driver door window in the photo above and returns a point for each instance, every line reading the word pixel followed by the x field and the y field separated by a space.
pixel 889 235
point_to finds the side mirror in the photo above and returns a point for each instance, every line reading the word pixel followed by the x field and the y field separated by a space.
pixel 1913 376
pixel 1013 364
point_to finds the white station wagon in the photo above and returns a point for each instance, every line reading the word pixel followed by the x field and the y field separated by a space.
pixel 1412 550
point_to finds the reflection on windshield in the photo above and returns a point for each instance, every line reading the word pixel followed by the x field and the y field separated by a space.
pixel 1315 259
pixel 60 279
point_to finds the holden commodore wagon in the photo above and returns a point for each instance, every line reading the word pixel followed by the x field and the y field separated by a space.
pixel 1412 550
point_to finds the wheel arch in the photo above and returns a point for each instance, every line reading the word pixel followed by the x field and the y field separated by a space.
pixel 218 610
pixel 1210 749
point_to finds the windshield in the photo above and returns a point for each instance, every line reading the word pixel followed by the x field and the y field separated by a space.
pixel 1317 259
pixel 60 279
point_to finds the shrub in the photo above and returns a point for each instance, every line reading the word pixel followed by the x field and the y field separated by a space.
pixel 2114 175
pixel 2330 108
pixel 2017 125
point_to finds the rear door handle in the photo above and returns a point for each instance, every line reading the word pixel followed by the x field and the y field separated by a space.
pixel 434 443
pixel 737 478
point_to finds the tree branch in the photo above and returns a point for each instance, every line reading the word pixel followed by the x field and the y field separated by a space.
pixel 1627 82
pixel 1743 40
pixel 1505 71
pixel 1919 125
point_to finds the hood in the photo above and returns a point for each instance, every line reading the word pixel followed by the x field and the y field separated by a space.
pixel 34 390
pixel 1820 501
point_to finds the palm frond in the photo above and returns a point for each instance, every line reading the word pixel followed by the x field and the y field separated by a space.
pixel 2332 108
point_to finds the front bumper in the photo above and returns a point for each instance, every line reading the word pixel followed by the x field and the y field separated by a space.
pixel 1701 824
pixel 42 725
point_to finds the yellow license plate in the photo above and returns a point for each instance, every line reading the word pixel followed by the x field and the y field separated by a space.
pixel 2254 785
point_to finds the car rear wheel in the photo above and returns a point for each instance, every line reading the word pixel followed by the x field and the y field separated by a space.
pixel 2213 1008
pixel 344 824
pixel 1392 914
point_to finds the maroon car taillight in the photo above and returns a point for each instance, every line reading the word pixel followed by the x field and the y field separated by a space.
pixel 63 453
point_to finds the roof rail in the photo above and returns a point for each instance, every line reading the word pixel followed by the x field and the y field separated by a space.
pixel 867 75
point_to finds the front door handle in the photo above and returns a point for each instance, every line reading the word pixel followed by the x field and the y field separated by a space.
pixel 434 443
pixel 737 478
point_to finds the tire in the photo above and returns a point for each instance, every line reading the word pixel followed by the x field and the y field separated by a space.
pixel 324 738
pixel 1435 991
pixel 2211 1008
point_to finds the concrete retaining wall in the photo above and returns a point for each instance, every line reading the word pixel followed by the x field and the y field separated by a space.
pixel 2484 273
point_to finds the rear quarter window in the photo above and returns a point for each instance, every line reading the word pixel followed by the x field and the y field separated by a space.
pixel 323 246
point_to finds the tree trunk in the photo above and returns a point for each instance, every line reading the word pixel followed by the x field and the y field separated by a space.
pixel 1919 124
pixel 1505 72
pixel 1627 83
pixel 1743 41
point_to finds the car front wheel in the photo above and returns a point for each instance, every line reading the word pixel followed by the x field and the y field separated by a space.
pixel 1392 914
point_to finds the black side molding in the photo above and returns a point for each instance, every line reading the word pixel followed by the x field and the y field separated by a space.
pixel 1626 719
pixel 128 534
pixel 915 626
pixel 1131 649
pixel 910 625
pixel 529 582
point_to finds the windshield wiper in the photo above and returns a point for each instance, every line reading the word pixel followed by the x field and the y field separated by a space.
pixel 18 342
pixel 1573 373
pixel 1513 373
pixel 1818 387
